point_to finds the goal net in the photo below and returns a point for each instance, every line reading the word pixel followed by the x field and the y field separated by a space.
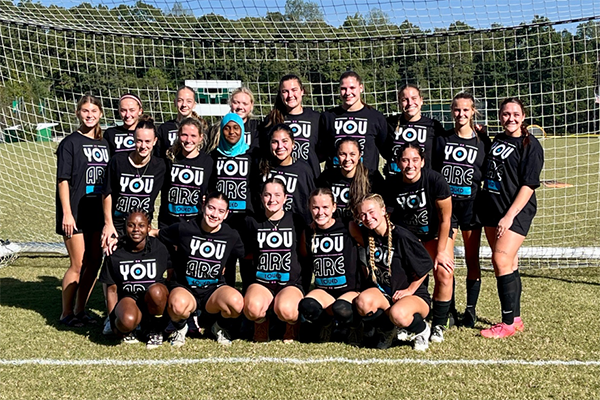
pixel 545 52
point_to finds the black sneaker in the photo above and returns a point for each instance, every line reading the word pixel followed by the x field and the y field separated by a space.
pixel 469 318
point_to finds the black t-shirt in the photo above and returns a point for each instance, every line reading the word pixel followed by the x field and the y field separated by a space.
pixel 132 187
pixel 135 272
pixel 422 132
pixel 509 166
pixel 231 176
pixel 410 261
pixel 167 135
pixel 251 133
pixel 413 205
pixel 367 126
pixel 201 256
pixel 274 249
pixel 299 183
pixel 82 161
pixel 340 186
pixel 460 162
pixel 119 139
pixel 186 181
pixel 334 257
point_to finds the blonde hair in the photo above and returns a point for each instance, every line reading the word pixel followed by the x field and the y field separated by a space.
pixel 245 90
pixel 202 127
pixel 390 227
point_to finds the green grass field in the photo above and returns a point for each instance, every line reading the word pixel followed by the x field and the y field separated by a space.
pixel 558 355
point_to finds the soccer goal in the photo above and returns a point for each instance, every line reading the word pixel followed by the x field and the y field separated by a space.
pixel 547 53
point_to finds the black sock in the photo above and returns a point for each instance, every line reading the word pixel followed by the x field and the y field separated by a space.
pixel 507 290
pixel 518 295
pixel 417 325
pixel 452 307
pixel 440 312
pixel 473 288
pixel 179 324
pixel 378 319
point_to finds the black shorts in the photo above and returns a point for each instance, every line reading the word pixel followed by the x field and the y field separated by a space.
pixel 336 293
pixel 520 225
pixel 275 288
pixel 202 295
pixel 421 292
pixel 464 215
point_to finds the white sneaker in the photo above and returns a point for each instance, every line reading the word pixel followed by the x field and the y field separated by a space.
pixel 404 335
pixel 155 340
pixel 130 338
pixel 221 334
pixel 421 341
pixel 177 338
pixel 107 330
pixel 437 334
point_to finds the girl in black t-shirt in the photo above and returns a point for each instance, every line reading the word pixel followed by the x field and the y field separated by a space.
pixel 410 126
pixel 134 275
pixel 204 246
pixel 507 207
pixel 459 156
pixel 296 174
pixel 187 176
pixel 397 272
pixel 120 138
pixel 168 132
pixel 303 121
pixel 351 181
pixel 81 167
pixel 422 202
pixel 334 259
pixel 277 270
pixel 355 119
pixel 133 181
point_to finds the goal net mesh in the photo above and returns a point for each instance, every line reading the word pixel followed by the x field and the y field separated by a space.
pixel 545 52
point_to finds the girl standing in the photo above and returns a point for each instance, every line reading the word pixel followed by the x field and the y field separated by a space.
pixel 120 138
pixel 508 205
pixel 355 119
pixel 82 158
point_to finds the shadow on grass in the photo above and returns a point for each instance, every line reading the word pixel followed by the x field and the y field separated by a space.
pixel 555 278
pixel 44 297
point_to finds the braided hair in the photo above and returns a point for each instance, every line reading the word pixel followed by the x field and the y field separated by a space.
pixel 377 199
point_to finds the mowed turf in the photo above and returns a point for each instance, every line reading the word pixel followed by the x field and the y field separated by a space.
pixel 562 321
pixel 567 217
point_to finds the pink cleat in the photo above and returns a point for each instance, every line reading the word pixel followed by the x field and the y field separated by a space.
pixel 519 326
pixel 499 331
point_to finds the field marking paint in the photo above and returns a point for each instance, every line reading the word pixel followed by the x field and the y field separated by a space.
pixel 294 361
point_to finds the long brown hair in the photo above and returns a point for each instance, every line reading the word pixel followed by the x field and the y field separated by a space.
pixel 174 151
pixel 467 96
pixel 265 163
pixel 377 199
pixel 524 131
pixel 89 99
pixel 361 184
pixel 276 115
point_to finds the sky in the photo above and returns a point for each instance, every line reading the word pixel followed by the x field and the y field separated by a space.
pixel 430 14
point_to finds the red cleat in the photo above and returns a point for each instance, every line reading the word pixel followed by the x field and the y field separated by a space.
pixel 519 326
pixel 499 331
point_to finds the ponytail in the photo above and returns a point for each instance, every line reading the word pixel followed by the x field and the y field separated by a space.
pixel 524 131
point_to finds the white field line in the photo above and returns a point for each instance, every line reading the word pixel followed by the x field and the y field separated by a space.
pixel 294 361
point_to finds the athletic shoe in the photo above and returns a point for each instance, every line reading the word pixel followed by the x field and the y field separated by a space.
pixel 107 329
pixel 499 331
pixel 386 338
pixel 519 326
pixel 261 331
pixel 325 333
pixel 355 335
pixel 177 338
pixel 130 338
pixel 155 340
pixel 404 335
pixel 291 333
pixel 221 334
pixel 421 340
pixel 437 334
pixel 369 331
pixel 469 318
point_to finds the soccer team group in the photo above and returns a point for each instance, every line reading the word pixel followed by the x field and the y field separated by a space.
pixel 342 254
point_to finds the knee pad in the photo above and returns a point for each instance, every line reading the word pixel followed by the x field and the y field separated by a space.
pixel 342 311
pixel 310 309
